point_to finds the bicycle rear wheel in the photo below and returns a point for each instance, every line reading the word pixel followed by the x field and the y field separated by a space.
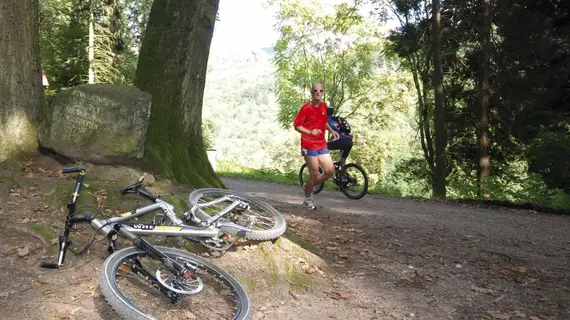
pixel 354 183
pixel 210 294
pixel 304 176
pixel 264 222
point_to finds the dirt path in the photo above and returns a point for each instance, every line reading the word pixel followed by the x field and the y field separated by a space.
pixel 389 259
pixel 409 259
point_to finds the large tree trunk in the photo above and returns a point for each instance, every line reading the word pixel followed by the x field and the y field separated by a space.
pixel 440 139
pixel 484 168
pixel 21 92
pixel 172 68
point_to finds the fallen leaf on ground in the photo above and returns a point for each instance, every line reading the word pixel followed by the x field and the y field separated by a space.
pixel 341 294
pixel 80 280
pixel 5 295
pixel 26 164
pixel 61 316
pixel 49 293
pixel 522 270
pixel 36 283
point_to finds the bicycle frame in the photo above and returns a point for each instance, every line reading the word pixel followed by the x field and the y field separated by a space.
pixel 111 227
pixel 206 229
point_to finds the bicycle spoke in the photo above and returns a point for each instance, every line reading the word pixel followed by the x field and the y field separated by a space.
pixel 213 301
pixel 354 183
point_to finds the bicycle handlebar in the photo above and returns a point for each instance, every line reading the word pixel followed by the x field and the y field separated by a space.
pixel 49 265
pixel 72 170
pixel 137 188
pixel 132 188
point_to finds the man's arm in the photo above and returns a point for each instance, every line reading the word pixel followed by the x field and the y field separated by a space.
pixel 335 134
pixel 304 130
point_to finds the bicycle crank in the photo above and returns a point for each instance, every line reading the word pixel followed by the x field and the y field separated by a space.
pixel 217 244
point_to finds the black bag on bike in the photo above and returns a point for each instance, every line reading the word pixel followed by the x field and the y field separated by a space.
pixel 344 125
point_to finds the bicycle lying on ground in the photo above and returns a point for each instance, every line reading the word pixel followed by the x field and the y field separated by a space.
pixel 351 180
pixel 216 213
pixel 151 282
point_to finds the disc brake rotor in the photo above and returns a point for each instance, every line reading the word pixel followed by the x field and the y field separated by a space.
pixel 192 285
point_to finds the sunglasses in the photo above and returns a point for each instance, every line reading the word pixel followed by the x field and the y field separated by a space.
pixel 321 91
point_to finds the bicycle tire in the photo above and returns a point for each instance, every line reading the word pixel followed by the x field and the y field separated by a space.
pixel 317 188
pixel 365 179
pixel 128 310
pixel 273 232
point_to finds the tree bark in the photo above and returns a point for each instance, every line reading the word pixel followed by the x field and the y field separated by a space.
pixel 21 92
pixel 172 68
pixel 440 139
pixel 484 168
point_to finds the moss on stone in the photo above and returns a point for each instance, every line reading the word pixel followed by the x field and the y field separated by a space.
pixel 7 181
pixel 299 240
pixel 248 284
pixel 122 143
pixel 298 279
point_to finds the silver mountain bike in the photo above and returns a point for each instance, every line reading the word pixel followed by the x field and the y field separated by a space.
pixel 151 282
pixel 215 215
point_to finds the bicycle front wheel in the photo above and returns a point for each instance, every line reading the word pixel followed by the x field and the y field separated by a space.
pixel 354 183
pixel 264 222
pixel 211 293
pixel 304 176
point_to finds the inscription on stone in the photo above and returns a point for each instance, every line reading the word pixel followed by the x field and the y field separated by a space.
pixel 86 114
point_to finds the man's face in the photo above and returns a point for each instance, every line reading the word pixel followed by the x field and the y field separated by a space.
pixel 317 92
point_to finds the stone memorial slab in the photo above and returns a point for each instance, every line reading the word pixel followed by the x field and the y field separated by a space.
pixel 99 123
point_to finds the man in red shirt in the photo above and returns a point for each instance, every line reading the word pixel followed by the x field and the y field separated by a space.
pixel 311 122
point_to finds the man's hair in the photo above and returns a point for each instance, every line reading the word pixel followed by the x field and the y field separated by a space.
pixel 317 84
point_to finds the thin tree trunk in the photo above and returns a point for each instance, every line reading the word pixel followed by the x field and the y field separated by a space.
pixel 423 121
pixel 484 168
pixel 172 68
pixel 440 143
pixel 91 44
pixel 21 92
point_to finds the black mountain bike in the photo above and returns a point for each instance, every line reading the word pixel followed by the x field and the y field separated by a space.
pixel 352 180
pixel 151 282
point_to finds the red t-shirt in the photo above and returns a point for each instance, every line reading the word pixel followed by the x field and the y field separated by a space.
pixel 312 117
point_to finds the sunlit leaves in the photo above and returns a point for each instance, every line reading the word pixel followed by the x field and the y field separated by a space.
pixel 335 47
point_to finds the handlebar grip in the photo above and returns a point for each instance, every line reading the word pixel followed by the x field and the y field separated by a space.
pixel 131 188
pixel 49 265
pixel 124 190
pixel 72 170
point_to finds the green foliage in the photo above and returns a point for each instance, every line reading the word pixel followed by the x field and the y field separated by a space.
pixel 209 132
pixel 339 50
pixel 64 34
pixel 548 156
pixel 233 170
